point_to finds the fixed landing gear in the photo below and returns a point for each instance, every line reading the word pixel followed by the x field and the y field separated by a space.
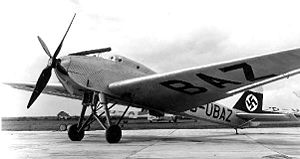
pixel 113 132
pixel 236 131
pixel 74 134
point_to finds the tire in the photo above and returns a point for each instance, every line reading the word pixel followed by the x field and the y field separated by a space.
pixel 68 126
pixel 62 127
pixel 113 134
pixel 74 135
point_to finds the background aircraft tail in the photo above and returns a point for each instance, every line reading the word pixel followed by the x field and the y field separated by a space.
pixel 250 102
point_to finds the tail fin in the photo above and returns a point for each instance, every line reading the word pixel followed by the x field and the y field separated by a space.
pixel 250 102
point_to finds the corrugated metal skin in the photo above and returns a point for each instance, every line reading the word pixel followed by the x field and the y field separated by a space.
pixel 98 73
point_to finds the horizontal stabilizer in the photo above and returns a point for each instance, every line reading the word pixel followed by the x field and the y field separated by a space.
pixel 266 117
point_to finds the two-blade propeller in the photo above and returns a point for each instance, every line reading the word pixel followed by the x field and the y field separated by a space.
pixel 46 73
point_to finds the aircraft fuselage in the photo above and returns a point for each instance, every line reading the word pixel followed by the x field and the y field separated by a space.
pixel 216 113
pixel 96 72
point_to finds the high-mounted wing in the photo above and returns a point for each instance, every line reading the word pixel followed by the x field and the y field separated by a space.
pixel 51 89
pixel 182 90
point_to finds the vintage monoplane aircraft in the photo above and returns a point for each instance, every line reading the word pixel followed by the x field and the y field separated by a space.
pixel 99 81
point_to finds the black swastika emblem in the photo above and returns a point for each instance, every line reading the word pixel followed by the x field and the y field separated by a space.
pixel 251 102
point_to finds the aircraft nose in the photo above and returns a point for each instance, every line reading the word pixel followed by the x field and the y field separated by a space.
pixel 65 63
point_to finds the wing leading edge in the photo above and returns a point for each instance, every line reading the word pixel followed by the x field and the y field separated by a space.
pixel 182 90
pixel 51 89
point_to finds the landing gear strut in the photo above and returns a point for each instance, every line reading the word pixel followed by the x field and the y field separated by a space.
pixel 236 131
pixel 96 101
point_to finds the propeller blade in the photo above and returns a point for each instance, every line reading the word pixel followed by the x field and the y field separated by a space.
pixel 61 43
pixel 40 85
pixel 44 46
pixel 61 69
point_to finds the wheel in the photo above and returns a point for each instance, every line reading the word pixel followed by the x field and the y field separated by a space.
pixel 73 133
pixel 62 127
pixel 113 134
pixel 68 126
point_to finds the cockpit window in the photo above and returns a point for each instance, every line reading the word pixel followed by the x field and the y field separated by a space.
pixel 116 59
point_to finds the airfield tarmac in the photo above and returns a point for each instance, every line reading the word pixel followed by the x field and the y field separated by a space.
pixel 156 143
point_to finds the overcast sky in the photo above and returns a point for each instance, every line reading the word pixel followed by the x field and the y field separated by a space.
pixel 163 35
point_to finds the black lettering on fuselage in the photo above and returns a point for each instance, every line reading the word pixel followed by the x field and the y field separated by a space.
pixel 230 113
pixel 202 107
pixel 223 114
pixel 196 108
pixel 218 112
pixel 209 111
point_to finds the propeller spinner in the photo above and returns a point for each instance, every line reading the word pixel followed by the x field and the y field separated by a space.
pixel 46 73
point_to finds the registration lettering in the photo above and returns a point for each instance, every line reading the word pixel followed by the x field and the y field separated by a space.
pixel 221 83
pixel 215 111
